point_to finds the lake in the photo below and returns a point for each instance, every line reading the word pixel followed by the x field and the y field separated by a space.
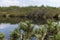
pixel 9 24
pixel 6 28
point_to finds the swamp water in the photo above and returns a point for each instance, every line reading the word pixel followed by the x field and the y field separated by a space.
pixel 9 24
pixel 6 28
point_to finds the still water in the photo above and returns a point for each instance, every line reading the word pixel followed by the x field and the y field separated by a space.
pixel 9 24
pixel 6 28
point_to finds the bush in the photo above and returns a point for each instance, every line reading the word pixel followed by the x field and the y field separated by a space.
pixel 2 36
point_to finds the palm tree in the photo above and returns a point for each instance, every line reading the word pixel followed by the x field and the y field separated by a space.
pixel 52 28
pixel 37 33
pixel 43 32
pixel 2 36
pixel 27 27
pixel 40 32
pixel 15 35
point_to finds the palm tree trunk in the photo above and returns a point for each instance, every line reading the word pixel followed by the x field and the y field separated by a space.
pixel 27 35
pixel 43 36
pixel 21 37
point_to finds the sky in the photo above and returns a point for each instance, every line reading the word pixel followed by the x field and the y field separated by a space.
pixel 54 3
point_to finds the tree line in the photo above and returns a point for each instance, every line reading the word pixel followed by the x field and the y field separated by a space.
pixel 30 11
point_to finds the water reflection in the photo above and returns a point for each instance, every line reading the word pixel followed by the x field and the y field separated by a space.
pixel 6 28
pixel 14 20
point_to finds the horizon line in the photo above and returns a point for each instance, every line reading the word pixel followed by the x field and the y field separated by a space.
pixel 31 6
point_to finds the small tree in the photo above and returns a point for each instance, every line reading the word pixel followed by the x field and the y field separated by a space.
pixel 15 35
pixel 27 27
pixel 52 29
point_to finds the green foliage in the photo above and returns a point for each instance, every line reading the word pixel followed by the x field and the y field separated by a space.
pixel 2 36
pixel 15 35
pixel 43 32
pixel 43 12
pixel 49 31
pixel 58 36
pixel 27 27
pixel 23 26
pixel 51 25
pixel 59 16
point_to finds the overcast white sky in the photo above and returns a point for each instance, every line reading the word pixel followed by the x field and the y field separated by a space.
pixel 55 3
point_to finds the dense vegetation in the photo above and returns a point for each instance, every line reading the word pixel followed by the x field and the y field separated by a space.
pixel 34 13
pixel 31 11
pixel 2 36
pixel 27 31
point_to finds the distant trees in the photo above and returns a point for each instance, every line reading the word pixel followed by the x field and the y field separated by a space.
pixel 40 12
